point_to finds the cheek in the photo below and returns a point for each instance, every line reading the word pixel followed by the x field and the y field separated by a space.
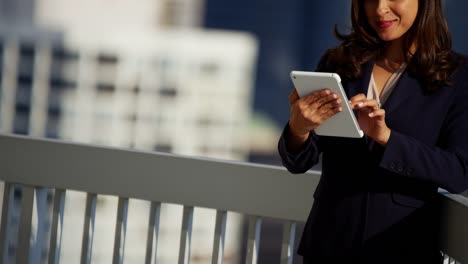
pixel 409 13
pixel 408 20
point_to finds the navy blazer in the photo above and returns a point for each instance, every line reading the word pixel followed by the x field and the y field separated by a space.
pixel 378 204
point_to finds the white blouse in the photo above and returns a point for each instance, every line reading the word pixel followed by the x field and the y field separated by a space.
pixel 372 92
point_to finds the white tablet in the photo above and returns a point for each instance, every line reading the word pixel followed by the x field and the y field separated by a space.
pixel 342 124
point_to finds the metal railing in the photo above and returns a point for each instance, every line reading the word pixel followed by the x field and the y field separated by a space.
pixel 253 190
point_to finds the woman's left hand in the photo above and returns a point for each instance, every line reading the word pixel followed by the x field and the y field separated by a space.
pixel 371 118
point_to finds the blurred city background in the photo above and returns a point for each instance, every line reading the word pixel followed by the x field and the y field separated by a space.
pixel 205 78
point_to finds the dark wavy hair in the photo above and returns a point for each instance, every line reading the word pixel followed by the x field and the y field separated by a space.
pixel 431 62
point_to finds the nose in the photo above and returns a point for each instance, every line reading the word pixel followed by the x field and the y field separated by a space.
pixel 382 7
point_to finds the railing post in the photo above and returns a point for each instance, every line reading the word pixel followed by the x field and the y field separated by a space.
pixel 186 235
pixel 120 231
pixel 153 232
pixel 56 229
pixel 41 224
pixel 24 233
pixel 287 246
pixel 4 224
pixel 219 237
pixel 253 242
pixel 88 230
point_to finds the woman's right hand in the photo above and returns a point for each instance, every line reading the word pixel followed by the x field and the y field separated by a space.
pixel 307 113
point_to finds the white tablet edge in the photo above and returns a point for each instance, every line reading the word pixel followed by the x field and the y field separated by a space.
pixel 331 81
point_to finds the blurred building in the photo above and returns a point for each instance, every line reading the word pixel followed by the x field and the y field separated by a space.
pixel 129 75
pixel 146 15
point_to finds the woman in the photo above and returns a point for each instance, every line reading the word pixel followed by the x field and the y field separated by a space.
pixel 376 201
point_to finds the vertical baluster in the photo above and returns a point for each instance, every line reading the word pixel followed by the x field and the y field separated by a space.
pixel 8 85
pixel 153 232
pixel 41 216
pixel 12 223
pixel 287 246
pixel 253 242
pixel 219 237
pixel 186 235
pixel 120 231
pixel 57 226
pixel 7 198
pixel 88 230
pixel 24 233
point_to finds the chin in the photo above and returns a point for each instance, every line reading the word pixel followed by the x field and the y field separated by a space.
pixel 387 38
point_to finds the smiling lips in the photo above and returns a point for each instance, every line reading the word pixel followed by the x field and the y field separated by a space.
pixel 385 24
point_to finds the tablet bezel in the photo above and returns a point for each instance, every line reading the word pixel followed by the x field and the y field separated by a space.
pixel 342 124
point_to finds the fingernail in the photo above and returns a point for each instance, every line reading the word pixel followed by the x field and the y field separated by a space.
pixel 371 114
pixel 360 104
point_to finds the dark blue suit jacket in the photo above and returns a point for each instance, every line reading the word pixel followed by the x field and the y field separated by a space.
pixel 378 204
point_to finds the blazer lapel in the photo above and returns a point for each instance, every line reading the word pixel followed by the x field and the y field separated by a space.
pixel 406 86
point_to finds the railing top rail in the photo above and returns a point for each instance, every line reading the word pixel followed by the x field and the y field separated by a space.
pixel 267 191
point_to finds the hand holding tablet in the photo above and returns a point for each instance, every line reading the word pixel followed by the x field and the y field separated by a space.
pixel 341 124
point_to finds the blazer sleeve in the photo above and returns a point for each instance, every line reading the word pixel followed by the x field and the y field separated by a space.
pixel 309 155
pixel 303 160
pixel 445 165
